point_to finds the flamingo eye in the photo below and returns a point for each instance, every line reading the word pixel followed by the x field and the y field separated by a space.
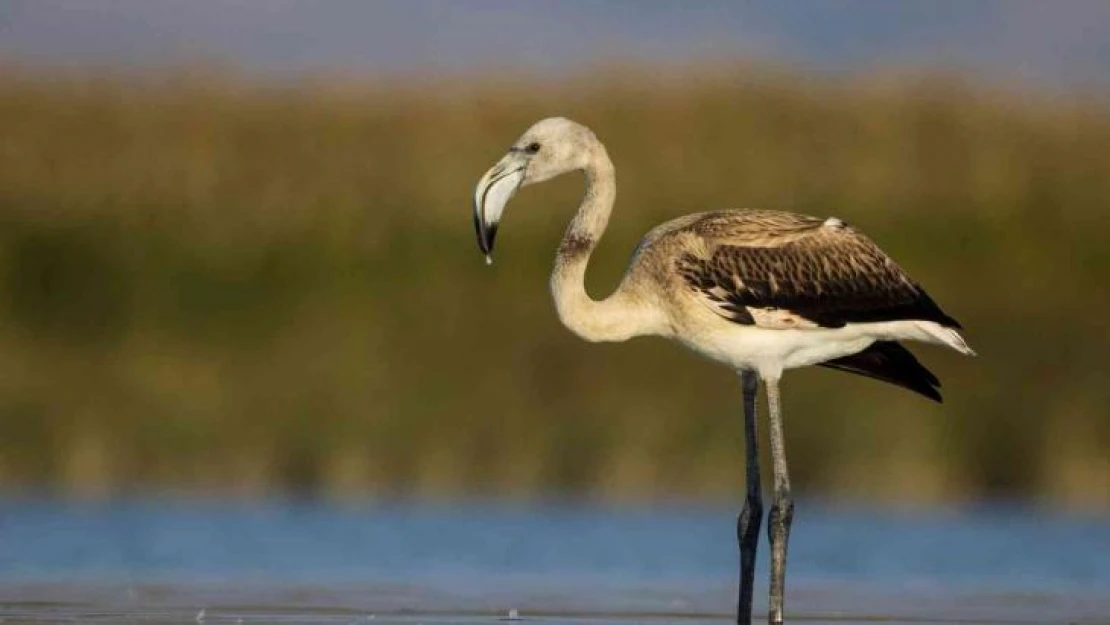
pixel 532 148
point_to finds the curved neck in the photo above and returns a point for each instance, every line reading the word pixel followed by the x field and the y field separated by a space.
pixel 620 316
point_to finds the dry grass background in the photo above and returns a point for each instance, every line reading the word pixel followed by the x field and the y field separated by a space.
pixel 213 286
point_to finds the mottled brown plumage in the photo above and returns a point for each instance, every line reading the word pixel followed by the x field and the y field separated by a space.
pixel 807 270
pixel 575 244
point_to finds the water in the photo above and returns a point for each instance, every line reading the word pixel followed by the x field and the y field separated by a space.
pixel 165 561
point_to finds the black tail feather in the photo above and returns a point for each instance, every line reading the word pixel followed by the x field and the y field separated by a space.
pixel 889 362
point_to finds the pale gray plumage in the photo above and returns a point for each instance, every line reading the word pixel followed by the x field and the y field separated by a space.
pixel 760 291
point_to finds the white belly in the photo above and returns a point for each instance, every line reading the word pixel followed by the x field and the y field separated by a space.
pixel 772 351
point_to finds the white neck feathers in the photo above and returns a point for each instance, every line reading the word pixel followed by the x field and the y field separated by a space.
pixel 620 316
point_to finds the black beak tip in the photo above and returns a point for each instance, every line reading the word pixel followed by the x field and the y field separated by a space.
pixel 486 234
pixel 490 235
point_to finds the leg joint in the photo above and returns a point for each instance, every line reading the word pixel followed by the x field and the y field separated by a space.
pixel 782 508
pixel 783 497
pixel 752 510
pixel 751 515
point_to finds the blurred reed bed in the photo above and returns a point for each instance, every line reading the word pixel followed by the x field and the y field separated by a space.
pixel 214 286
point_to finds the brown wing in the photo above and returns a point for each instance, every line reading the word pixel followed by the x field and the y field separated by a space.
pixel 763 267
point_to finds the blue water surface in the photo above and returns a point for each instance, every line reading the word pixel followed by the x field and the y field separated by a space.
pixel 574 557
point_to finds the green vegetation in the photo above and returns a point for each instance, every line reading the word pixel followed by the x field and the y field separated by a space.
pixel 216 287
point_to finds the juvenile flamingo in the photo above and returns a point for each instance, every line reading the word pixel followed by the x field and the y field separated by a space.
pixel 759 291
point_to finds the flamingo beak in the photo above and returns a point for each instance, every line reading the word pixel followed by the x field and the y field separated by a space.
pixel 493 192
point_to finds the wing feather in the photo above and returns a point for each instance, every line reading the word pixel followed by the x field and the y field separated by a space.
pixel 775 269
pixel 890 362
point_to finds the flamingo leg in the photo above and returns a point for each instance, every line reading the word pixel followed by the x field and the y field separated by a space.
pixel 782 506
pixel 747 524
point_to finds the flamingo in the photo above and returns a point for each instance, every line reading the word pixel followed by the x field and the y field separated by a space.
pixel 759 291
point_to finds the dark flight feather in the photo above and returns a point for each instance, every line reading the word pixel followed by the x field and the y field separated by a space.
pixel 889 362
